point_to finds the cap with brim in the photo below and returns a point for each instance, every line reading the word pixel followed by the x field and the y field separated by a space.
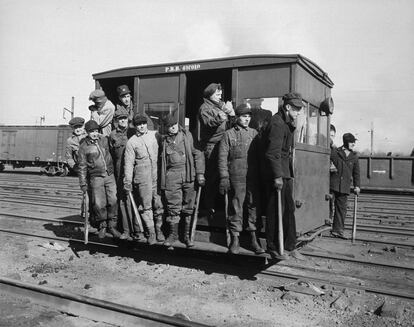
pixel 140 119
pixel 170 120
pixel 294 99
pixel 122 90
pixel 120 113
pixel 91 125
pixel 348 138
pixel 76 121
pixel 96 95
pixel 243 109
pixel 210 89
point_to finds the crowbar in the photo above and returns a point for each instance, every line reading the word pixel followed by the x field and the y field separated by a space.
pixel 195 215
pixel 136 212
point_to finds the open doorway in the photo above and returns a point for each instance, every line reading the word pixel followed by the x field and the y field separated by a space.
pixel 196 83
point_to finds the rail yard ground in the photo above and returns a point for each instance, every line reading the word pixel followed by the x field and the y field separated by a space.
pixel 333 283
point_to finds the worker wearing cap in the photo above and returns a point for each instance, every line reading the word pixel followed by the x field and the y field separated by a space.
pixel 124 102
pixel 238 164
pixel 117 142
pixel 141 169
pixel 346 162
pixel 181 165
pixel 96 171
pixel 214 116
pixel 102 111
pixel 279 152
pixel 72 143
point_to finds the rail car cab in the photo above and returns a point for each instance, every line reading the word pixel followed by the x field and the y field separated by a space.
pixel 260 80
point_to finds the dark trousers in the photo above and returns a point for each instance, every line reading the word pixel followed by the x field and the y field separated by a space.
pixel 211 175
pixel 104 200
pixel 242 203
pixel 288 212
pixel 341 201
pixel 179 194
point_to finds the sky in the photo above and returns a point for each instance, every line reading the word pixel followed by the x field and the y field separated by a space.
pixel 49 50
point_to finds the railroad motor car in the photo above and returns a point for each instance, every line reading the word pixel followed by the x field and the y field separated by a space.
pixel 34 146
pixel 261 81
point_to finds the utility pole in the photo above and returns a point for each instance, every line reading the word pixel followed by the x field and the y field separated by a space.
pixel 42 120
pixel 72 110
pixel 372 138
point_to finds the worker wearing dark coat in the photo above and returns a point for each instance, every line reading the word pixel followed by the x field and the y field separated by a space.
pixel 181 165
pixel 97 172
pixel 279 155
pixel 214 116
pixel 346 162
pixel 117 142
pixel 238 164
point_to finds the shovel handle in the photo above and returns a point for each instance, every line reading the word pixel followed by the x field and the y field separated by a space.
pixel 195 216
pixel 136 212
pixel 354 221
pixel 226 217
pixel 85 208
pixel 280 222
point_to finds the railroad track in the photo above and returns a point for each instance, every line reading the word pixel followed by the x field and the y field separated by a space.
pixel 91 308
pixel 351 278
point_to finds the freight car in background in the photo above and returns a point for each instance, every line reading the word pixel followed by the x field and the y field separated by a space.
pixel 261 81
pixel 34 146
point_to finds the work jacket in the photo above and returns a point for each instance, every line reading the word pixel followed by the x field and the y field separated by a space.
pixel 72 148
pixel 279 144
pixel 141 157
pixel 94 159
pixel 347 171
pixel 179 151
pixel 212 126
pixel 104 117
pixel 238 156
pixel 117 143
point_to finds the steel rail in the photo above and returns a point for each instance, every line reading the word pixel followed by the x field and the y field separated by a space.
pixel 368 240
pixel 92 308
pixel 275 274
pixel 374 290
pixel 303 252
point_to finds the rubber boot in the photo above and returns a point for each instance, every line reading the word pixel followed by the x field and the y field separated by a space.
pixel 151 236
pixel 112 228
pixel 187 232
pixel 234 245
pixel 255 244
pixel 158 230
pixel 102 230
pixel 173 236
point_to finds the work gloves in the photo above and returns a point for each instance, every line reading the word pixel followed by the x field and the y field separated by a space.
pixel 127 187
pixel 278 183
pixel 357 190
pixel 201 181
pixel 224 186
pixel 228 108
pixel 84 188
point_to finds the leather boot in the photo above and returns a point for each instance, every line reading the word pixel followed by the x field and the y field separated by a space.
pixel 187 232
pixel 158 230
pixel 151 236
pixel 234 245
pixel 102 230
pixel 255 244
pixel 112 228
pixel 173 236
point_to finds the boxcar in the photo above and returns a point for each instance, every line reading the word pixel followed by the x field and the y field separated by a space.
pixel 260 80
pixel 35 146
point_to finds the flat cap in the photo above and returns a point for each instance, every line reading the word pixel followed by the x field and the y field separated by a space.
pixel 294 99
pixel 123 89
pixel 140 119
pixel 120 113
pixel 76 121
pixel 96 95
pixel 170 120
pixel 348 138
pixel 210 89
pixel 243 109
pixel 91 125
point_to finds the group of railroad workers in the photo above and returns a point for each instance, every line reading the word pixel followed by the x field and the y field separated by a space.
pixel 119 156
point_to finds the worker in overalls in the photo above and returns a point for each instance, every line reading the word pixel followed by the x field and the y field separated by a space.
pixel 96 171
pixel 238 163
pixel 181 166
pixel 141 176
